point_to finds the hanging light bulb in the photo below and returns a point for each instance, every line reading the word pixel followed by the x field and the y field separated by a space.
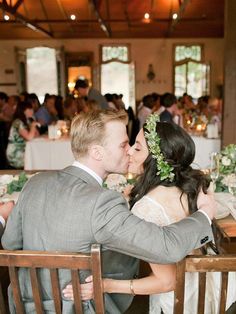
pixel 146 18
pixel 73 17
pixel 6 17
pixel 174 16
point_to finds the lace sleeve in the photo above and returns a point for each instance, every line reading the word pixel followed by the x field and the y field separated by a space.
pixel 151 211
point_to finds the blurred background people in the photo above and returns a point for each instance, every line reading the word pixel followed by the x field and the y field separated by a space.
pixel 22 129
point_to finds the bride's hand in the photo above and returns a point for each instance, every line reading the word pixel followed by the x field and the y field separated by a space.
pixel 86 290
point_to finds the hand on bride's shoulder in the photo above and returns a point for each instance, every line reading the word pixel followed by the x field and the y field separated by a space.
pixel 206 202
pixel 127 190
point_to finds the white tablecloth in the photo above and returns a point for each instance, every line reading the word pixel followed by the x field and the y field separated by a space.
pixel 204 147
pixel 44 154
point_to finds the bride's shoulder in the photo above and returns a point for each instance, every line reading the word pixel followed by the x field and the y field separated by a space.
pixel 150 210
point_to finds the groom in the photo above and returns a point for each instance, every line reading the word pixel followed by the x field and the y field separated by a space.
pixel 68 210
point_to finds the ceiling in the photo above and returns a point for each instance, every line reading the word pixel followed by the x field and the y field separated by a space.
pixel 39 19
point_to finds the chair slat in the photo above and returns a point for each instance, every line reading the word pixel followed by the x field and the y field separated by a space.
pixel 36 289
pixel 201 293
pixel 97 280
pixel 223 294
pixel 56 292
pixel 34 260
pixel 203 264
pixel 16 290
pixel 2 303
pixel 179 293
pixel 76 291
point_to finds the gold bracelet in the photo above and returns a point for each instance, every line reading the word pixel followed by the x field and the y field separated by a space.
pixel 131 287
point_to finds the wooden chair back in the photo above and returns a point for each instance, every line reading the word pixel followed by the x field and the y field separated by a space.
pixel 202 265
pixel 53 261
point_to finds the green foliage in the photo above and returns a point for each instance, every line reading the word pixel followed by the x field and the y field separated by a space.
pixel 164 170
pixel 227 167
pixel 17 185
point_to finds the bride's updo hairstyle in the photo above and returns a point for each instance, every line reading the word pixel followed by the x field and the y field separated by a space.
pixel 178 150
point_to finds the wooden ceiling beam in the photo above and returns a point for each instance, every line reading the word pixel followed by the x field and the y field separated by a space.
pixel 180 12
pixel 23 20
pixel 16 5
pixel 95 6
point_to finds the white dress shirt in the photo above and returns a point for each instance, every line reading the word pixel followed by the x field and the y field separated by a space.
pixel 77 164
pixel 2 220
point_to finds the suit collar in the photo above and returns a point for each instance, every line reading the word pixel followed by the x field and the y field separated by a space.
pixel 82 174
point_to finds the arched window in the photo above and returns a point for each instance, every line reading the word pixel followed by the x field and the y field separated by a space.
pixel 117 72
pixel 191 74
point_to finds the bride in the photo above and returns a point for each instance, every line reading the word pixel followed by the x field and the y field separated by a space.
pixel 166 192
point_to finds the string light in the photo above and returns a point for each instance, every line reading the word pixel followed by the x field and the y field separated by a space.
pixel 6 17
pixel 73 17
pixel 175 16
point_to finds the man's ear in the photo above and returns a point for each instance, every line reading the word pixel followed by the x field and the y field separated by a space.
pixel 96 152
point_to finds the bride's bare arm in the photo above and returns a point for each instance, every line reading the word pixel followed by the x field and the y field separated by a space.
pixel 162 279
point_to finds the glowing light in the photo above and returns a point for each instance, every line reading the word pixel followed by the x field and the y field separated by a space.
pixel 146 16
pixel 73 17
pixel 6 17
pixel 175 16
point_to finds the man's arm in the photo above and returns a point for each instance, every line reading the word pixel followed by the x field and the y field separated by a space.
pixel 1 229
pixel 118 229
pixel 5 210
pixel 12 236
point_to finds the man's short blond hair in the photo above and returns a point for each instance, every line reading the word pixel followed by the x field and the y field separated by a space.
pixel 89 128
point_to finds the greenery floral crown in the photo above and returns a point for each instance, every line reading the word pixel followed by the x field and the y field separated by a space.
pixel 164 170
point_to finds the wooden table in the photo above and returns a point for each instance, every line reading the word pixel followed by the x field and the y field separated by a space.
pixel 228 225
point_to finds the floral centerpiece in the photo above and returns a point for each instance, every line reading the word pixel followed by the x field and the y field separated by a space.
pixel 227 169
pixel 12 183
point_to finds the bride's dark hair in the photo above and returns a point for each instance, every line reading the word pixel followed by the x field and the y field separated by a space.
pixel 178 149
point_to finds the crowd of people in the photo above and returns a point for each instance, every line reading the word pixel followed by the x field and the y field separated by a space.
pixel 22 117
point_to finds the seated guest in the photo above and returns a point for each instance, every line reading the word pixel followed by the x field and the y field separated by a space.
pixel 69 108
pixel 5 210
pixel 22 129
pixel 47 113
pixel 169 102
pixel 34 101
pixel 84 91
pixel 145 109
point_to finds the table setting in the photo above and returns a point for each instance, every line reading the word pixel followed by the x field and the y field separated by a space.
pixel 51 151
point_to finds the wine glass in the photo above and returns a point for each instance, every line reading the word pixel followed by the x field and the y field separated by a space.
pixel 214 167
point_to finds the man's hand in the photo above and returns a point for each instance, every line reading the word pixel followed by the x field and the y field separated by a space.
pixel 5 209
pixel 86 290
pixel 206 203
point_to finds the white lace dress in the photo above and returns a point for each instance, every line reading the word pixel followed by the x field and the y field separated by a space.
pixel 165 213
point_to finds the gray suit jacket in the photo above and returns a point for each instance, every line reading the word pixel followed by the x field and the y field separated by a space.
pixel 1 230
pixel 67 210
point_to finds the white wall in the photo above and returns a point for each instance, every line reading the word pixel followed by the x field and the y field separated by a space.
pixel 158 52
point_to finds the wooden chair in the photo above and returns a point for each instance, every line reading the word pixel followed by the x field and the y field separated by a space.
pixel 203 264
pixel 53 261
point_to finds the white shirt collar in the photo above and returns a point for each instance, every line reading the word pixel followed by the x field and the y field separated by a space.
pixel 77 164
pixel 2 220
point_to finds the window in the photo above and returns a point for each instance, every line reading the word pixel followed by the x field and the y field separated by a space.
pixel 191 74
pixel 117 73
pixel 41 71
